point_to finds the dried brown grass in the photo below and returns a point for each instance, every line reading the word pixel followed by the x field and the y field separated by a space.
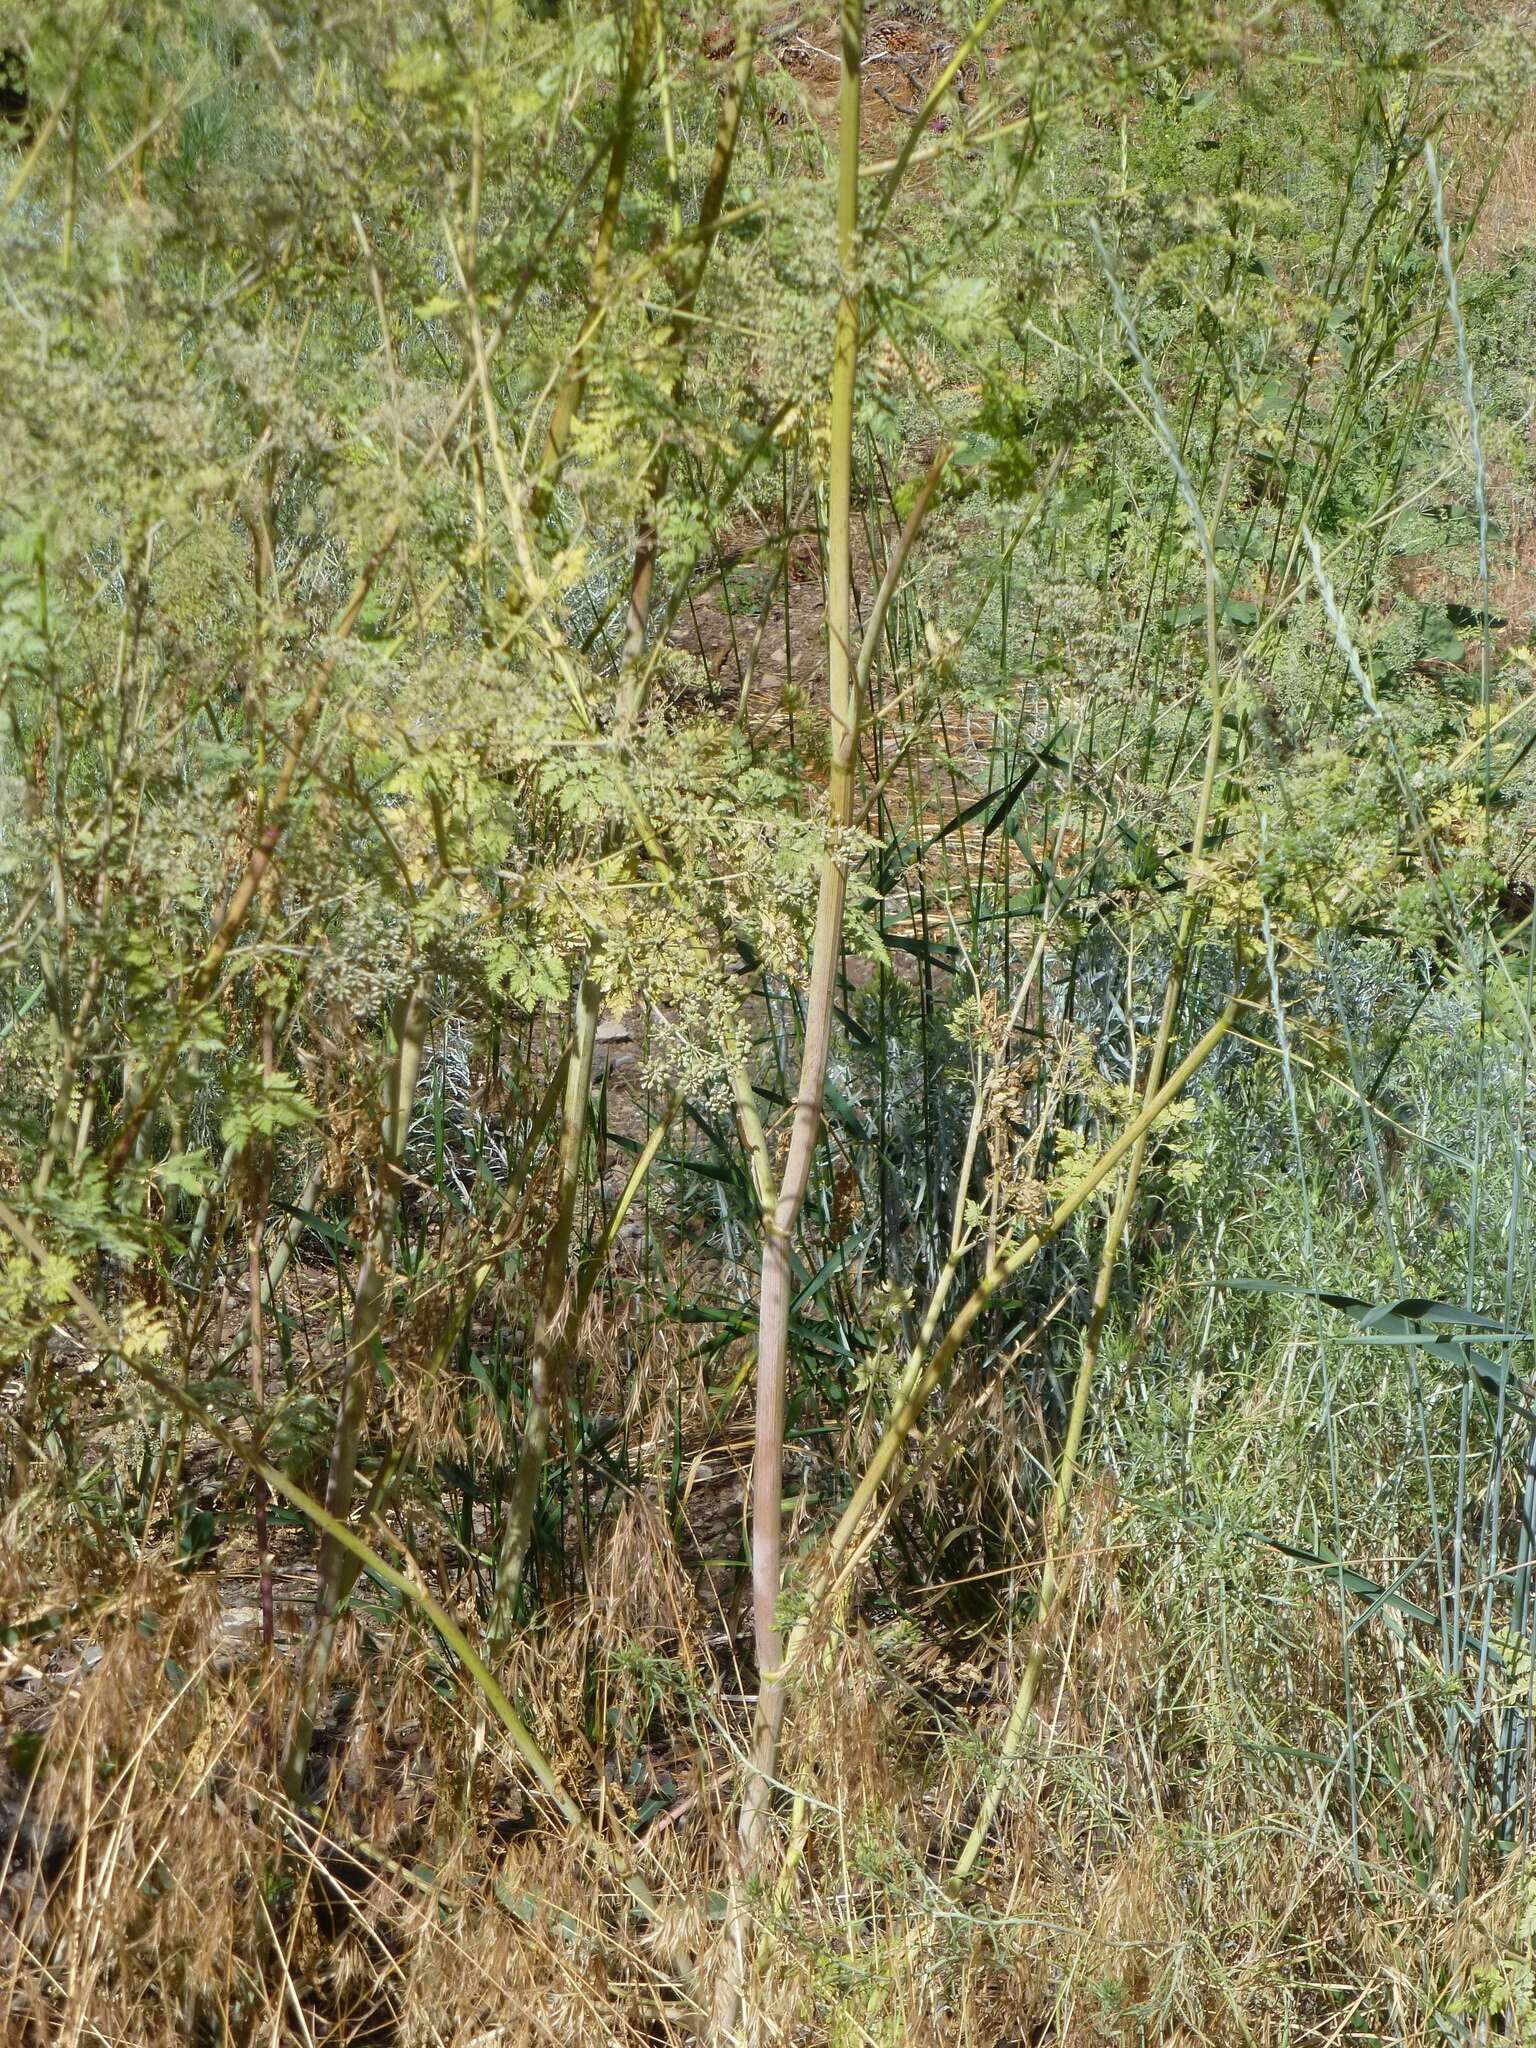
pixel 1507 223
pixel 1156 1874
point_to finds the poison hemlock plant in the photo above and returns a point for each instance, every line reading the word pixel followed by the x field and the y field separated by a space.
pixel 766 940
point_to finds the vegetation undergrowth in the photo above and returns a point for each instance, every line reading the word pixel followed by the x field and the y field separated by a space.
pixel 767 983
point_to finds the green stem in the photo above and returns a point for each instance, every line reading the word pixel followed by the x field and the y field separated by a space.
pixel 553 1326
pixel 357 1387
pixel 573 388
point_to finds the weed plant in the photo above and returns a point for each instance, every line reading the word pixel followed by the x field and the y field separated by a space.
pixel 766 954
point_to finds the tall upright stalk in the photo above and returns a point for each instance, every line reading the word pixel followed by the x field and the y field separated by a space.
pixel 782 1204
pixel 779 1224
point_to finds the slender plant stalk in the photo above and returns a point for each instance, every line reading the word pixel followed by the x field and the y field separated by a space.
pixel 592 1266
pixel 549 1328
pixel 929 1363
pixel 770 1194
pixel 557 1318
pixel 357 1384
pixel 688 276
pixel 927 1366
pixel 826 955
pixel 261 1189
pixel 642 36
pixel 958 1234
